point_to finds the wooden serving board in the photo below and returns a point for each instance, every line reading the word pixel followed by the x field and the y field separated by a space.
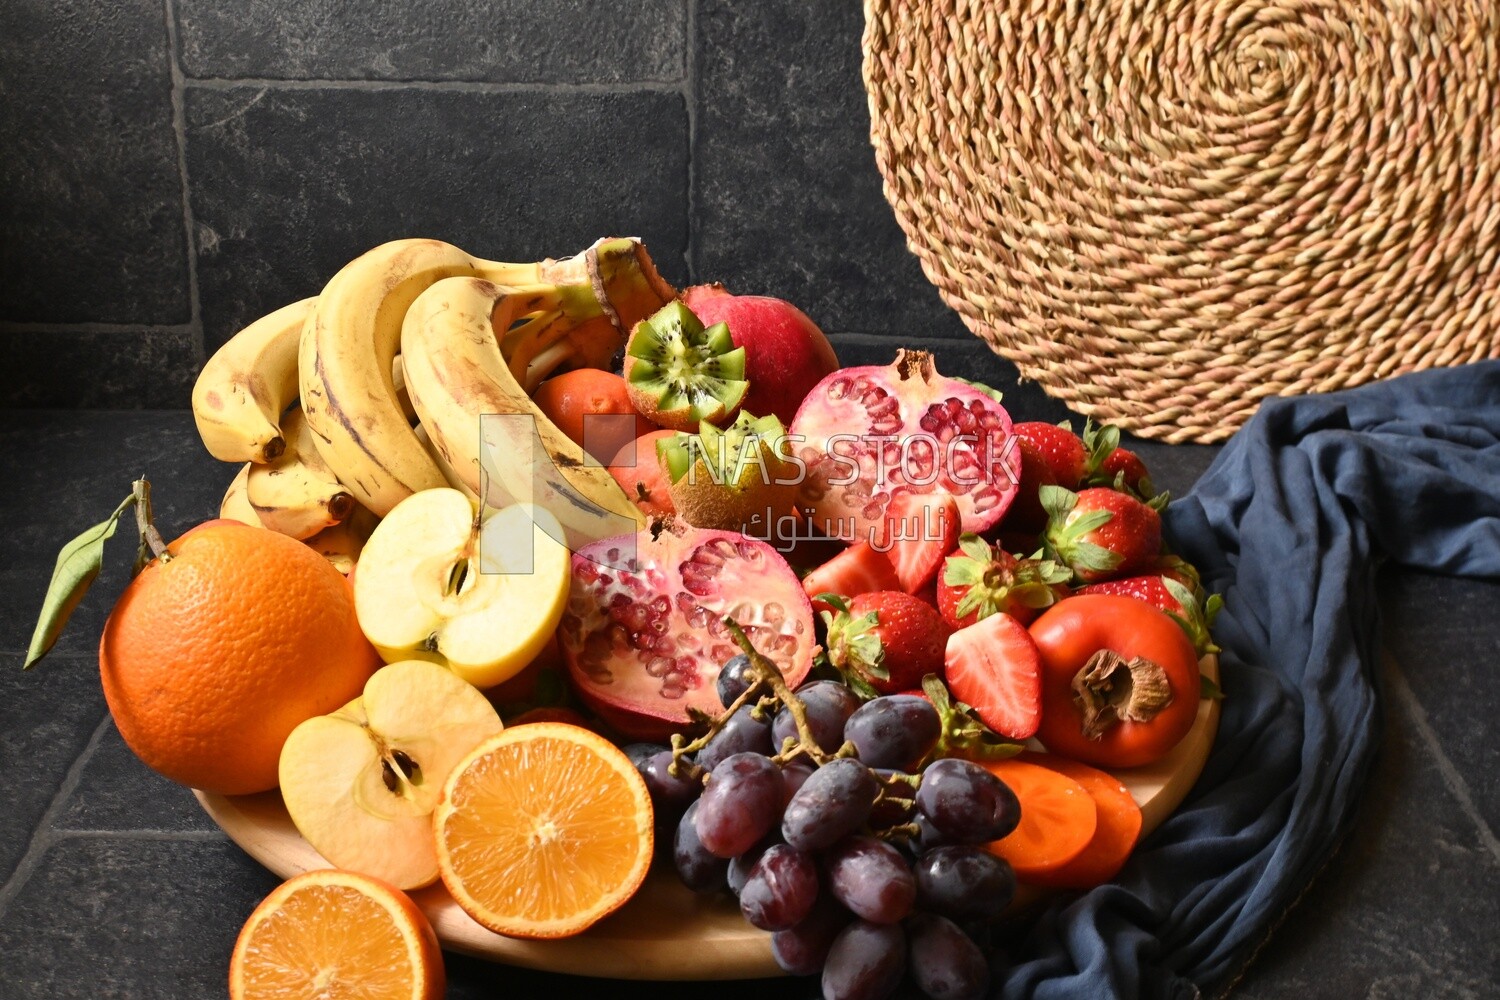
pixel 665 931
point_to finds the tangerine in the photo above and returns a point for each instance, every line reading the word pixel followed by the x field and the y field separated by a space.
pixel 217 650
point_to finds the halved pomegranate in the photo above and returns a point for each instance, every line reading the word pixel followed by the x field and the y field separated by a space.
pixel 643 633
pixel 870 433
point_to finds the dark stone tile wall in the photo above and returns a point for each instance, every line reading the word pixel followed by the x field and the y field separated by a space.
pixel 172 169
pixel 182 167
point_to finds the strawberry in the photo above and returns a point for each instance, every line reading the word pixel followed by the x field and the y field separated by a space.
pixel 1113 466
pixel 1100 533
pixel 994 667
pixel 1026 513
pixel 979 581
pixel 920 529
pixel 859 569
pixel 885 641
pixel 1170 595
pixel 1059 448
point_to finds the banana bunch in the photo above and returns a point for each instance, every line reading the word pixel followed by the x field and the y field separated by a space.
pixel 342 405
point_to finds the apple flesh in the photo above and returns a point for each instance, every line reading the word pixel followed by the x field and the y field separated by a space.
pixel 480 596
pixel 361 784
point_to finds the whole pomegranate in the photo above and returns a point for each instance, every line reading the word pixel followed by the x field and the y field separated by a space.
pixel 785 352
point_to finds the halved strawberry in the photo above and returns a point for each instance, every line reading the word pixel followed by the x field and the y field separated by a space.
pixel 859 569
pixel 980 580
pixel 920 529
pixel 994 667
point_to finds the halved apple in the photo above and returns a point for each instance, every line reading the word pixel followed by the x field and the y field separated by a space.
pixel 361 784
pixel 480 595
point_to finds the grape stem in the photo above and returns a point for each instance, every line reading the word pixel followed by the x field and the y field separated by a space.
pixel 766 672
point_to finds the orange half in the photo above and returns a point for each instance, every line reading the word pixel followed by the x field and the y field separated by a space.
pixel 544 829
pixel 336 934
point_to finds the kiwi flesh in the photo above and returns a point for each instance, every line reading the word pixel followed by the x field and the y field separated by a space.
pixel 741 478
pixel 680 374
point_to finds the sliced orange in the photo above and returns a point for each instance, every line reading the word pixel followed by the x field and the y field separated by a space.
pixel 336 934
pixel 543 830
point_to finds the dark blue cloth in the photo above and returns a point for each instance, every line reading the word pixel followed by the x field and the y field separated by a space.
pixel 1288 524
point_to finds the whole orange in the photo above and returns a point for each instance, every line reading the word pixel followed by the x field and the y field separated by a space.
pixel 216 653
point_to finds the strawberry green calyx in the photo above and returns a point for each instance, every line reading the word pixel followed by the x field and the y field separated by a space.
pixel 992 584
pixel 1065 538
pixel 1100 442
pixel 1196 618
pixel 853 648
pixel 963 734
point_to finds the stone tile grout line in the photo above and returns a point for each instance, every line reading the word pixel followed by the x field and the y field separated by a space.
pixel 179 130
pixel 690 99
pixel 459 86
pixel 1451 778
pixel 42 837
pixel 195 836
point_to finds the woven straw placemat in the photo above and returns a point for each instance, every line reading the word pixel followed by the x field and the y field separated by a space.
pixel 1165 211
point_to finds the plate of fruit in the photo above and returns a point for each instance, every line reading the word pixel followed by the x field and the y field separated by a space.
pixel 621 631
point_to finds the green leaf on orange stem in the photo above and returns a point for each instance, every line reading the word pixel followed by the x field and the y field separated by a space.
pixel 77 567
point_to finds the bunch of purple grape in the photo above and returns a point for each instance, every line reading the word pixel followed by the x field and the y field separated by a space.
pixel 859 867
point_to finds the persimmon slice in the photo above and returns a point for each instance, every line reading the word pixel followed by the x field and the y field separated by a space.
pixel 543 830
pixel 1058 819
pixel 1115 836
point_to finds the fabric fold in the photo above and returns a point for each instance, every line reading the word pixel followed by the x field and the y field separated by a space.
pixel 1289 524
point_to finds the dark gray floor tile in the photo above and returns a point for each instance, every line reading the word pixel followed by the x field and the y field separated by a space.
pixel 290 185
pixel 787 194
pixel 65 471
pixel 1173 467
pixel 46 719
pixel 117 792
pixel 141 919
pixel 89 186
pixel 548 41
pixel 1435 627
pixel 1406 908
pixel 128 369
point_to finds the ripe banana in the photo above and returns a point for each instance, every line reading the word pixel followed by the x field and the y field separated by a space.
pixel 456 372
pixel 297 494
pixel 454 480
pixel 353 336
pixel 345 359
pixel 236 503
pixel 242 391
pixel 342 543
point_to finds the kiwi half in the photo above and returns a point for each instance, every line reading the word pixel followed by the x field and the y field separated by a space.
pixel 680 374
pixel 741 478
